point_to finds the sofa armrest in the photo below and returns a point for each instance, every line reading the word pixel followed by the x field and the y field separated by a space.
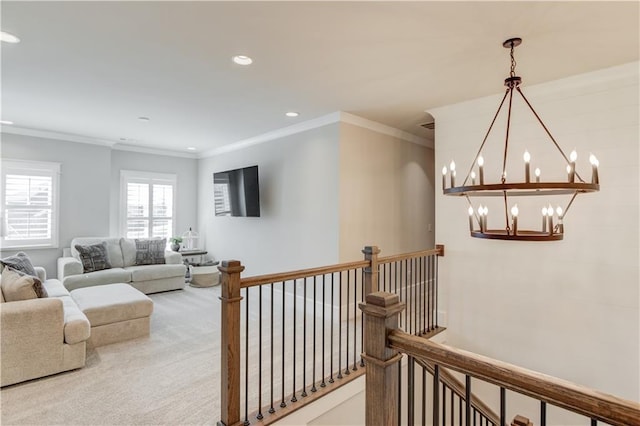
pixel 41 273
pixel 172 257
pixel 31 323
pixel 68 266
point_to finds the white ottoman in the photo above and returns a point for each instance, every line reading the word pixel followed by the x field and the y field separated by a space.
pixel 116 312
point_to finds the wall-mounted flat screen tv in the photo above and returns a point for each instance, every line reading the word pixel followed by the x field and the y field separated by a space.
pixel 237 193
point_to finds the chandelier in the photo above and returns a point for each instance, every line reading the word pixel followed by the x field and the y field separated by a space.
pixel 522 184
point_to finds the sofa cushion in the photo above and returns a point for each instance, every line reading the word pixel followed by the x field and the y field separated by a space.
pixel 113 248
pixel 150 251
pixel 106 276
pixel 20 262
pixel 16 286
pixel 155 272
pixel 113 303
pixel 76 325
pixel 128 247
pixel 94 257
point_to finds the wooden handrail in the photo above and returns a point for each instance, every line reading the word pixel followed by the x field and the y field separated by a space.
pixel 302 273
pixel 458 388
pixel 579 399
pixel 439 250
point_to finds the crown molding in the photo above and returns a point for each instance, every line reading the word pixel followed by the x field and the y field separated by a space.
pixel 356 120
pixel 154 151
pixel 47 134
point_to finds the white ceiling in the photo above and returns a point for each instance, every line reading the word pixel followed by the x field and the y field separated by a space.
pixel 92 68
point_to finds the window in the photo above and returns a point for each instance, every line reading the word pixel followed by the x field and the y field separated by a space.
pixel 29 204
pixel 147 204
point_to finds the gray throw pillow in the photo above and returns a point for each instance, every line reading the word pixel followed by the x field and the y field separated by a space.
pixel 20 262
pixel 94 257
pixel 150 252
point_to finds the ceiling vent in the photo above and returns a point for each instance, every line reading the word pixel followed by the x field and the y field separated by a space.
pixel 429 126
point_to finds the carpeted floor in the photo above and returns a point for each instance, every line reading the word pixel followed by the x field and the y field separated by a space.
pixel 169 378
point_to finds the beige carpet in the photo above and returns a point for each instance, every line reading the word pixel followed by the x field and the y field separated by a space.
pixel 169 378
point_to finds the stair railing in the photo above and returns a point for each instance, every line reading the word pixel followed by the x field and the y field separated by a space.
pixel 289 338
pixel 386 344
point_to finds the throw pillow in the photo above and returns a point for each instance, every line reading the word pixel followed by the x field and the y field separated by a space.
pixel 20 262
pixel 150 252
pixel 16 286
pixel 94 257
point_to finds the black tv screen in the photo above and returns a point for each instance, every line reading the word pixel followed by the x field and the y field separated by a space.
pixel 237 193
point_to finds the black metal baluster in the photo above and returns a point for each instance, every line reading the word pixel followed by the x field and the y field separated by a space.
pixel 340 325
pixel 406 295
pixel 410 387
pixel 346 360
pixel 460 411
pixel 384 275
pixel 475 415
pixel 436 394
pixel 304 340
pixel 435 311
pixel 315 303
pixel 294 337
pixel 331 340
pixel 282 403
pixel 324 308
pixel 444 404
pixel 419 298
pixel 543 413
pixel 400 391
pixel 594 422
pixel 362 297
pixel 503 407
pixel 467 400
pixel 424 396
pixel 424 294
pixel 355 319
pixel 452 407
pixel 246 358
pixel 416 311
pixel 271 409
pixel 260 416
pixel 428 294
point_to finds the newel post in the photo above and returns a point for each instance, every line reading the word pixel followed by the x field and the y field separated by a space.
pixel 381 317
pixel 230 342
pixel 371 271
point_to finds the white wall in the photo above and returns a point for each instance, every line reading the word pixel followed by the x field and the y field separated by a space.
pixel 84 189
pixel 186 170
pixel 569 308
pixel 386 193
pixel 298 226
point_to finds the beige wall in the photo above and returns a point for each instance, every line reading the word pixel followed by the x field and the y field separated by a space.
pixel 386 193
pixel 568 308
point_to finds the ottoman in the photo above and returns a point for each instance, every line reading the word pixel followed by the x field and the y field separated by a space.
pixel 204 276
pixel 116 312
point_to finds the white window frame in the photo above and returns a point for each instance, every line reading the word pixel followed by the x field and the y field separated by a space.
pixel 31 168
pixel 133 176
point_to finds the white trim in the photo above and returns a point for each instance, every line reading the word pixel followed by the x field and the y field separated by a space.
pixel 345 117
pixel 56 135
pixel 37 167
pixel 155 151
pixel 334 117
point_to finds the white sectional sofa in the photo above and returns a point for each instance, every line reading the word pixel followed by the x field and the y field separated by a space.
pixel 41 336
pixel 122 256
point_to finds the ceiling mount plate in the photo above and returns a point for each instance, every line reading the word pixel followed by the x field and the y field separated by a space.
pixel 515 42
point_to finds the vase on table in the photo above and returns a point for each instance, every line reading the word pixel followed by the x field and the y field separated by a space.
pixel 175 246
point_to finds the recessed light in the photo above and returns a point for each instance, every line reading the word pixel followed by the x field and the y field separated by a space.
pixel 7 122
pixel 292 114
pixel 9 38
pixel 242 60
pixel 191 148
pixel 145 119
pixel 123 139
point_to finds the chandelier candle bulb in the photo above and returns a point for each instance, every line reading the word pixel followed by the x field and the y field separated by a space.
pixel 452 168
pixel 484 217
pixel 537 173
pixel 470 218
pixel 544 219
pixel 514 215
pixel 481 170
pixel 527 174
pixel 570 175
pixel 480 219
pixel 444 177
pixel 550 219
pixel 560 224
pixel 473 178
pixel 594 169
pixel 573 157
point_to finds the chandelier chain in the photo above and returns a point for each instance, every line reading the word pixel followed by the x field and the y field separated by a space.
pixel 513 62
